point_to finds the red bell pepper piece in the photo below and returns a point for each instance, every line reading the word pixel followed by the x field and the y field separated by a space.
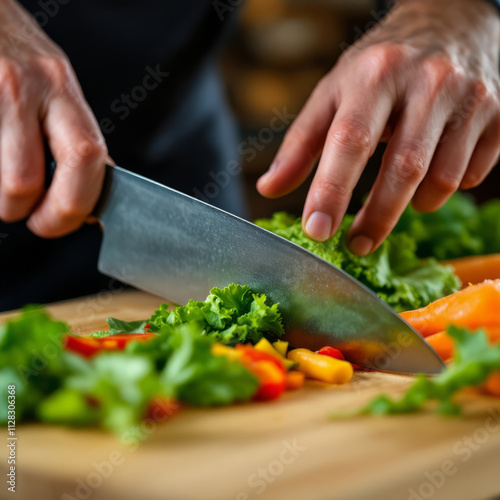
pixel 89 346
pixel 268 369
pixel 332 352
pixel 251 355
pixel 162 408
pixel 272 381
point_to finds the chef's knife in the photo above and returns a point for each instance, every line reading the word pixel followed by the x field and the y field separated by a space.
pixel 175 246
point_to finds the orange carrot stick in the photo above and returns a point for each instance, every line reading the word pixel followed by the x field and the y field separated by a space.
pixel 477 268
pixel 472 307
pixel 443 343
pixel 492 385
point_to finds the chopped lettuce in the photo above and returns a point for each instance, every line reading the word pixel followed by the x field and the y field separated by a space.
pixel 30 358
pixel 114 389
pixel 118 326
pixel 193 375
pixel 393 271
pixel 474 361
pixel 230 315
pixel 457 229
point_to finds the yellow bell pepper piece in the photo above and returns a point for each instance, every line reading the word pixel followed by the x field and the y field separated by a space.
pixel 281 346
pixel 218 349
pixel 320 367
pixel 263 345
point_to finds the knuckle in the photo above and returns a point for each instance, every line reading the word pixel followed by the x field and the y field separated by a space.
pixel 10 79
pixel 59 70
pixel 380 61
pixel 70 208
pixel 471 180
pixel 409 165
pixel 352 137
pixel 442 75
pixel 445 181
pixel 333 192
pixel 86 151
pixel 21 186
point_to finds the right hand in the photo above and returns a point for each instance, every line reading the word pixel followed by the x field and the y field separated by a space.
pixel 40 96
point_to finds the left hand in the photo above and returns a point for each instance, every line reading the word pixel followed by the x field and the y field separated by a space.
pixel 426 79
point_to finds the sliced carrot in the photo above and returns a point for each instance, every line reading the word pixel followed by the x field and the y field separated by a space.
pixel 443 343
pixel 492 385
pixel 476 268
pixel 472 307
pixel 294 380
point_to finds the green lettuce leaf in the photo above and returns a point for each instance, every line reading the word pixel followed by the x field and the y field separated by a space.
pixel 30 358
pixel 230 315
pixel 118 326
pixel 457 229
pixel 193 375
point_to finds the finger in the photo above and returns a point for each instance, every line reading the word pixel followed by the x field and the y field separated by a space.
pixel 484 158
pixel 352 138
pixel 447 168
pixel 21 163
pixel 302 144
pixel 79 150
pixel 404 165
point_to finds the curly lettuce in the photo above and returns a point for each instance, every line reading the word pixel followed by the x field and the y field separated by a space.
pixel 458 229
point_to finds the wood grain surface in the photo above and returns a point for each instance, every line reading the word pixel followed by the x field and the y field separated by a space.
pixel 283 449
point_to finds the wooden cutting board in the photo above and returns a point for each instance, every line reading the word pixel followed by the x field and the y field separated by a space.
pixel 283 449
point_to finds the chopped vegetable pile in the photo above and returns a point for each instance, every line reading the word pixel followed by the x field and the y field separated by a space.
pixel 464 326
pixel 393 271
pixel 199 354
pixel 474 361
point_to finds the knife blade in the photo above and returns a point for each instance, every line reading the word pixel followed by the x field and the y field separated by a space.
pixel 175 246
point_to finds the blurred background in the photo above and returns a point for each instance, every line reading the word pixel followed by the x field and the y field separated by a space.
pixel 274 58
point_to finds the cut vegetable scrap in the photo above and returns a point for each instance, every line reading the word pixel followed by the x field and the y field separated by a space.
pixel 332 352
pixel 444 345
pixel 473 307
pixel 265 346
pixel 474 361
pixel 294 380
pixel 492 385
pixel 321 367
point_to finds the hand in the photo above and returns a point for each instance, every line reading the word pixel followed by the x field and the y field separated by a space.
pixel 426 79
pixel 40 96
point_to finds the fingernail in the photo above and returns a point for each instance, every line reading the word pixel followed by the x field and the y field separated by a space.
pixel 361 245
pixel 319 226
